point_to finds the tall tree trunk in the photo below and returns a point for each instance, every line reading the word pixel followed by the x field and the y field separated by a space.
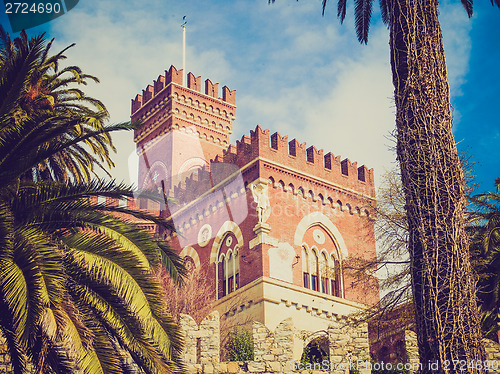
pixel 442 279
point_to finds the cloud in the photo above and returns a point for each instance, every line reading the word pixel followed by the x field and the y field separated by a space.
pixel 456 28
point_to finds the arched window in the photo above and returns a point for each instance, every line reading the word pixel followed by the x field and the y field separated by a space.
pixel 336 277
pixel 220 276
pixel 321 198
pixel 339 204
pixel 314 271
pixel 232 271
pixel 349 208
pixel 305 268
pixel 321 261
pixel 227 266
pixel 323 269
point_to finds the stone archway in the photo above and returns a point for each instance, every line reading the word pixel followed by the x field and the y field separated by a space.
pixel 317 349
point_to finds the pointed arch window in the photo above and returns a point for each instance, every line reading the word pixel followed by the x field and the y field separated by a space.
pixel 323 268
pixel 227 266
pixel 336 287
pixel 321 262
pixel 305 268
pixel 314 271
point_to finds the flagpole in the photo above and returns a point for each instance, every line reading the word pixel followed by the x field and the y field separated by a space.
pixel 184 50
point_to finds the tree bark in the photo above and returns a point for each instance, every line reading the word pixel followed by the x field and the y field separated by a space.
pixel 442 278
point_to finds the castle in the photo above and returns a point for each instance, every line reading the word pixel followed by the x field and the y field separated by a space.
pixel 279 226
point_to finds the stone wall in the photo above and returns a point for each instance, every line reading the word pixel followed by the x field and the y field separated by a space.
pixel 349 344
pixel 202 349
pixel 5 366
pixel 411 345
pixel 273 351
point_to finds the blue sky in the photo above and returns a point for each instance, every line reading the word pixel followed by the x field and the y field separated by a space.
pixel 295 72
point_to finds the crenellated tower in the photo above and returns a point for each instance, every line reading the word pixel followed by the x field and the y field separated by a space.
pixel 183 127
pixel 277 226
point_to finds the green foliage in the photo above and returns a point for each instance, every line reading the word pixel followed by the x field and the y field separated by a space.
pixel 77 282
pixel 239 346
pixel 485 249
pixel 56 132
pixel 315 352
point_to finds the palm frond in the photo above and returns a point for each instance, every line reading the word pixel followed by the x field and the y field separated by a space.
pixel 17 352
pixel 15 73
pixel 362 15
pixel 114 316
pixel 384 11
pixel 341 10
pixel 468 7
pixel 6 227
pixel 36 96
pixel 486 249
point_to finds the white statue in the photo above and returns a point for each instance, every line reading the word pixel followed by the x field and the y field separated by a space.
pixel 261 197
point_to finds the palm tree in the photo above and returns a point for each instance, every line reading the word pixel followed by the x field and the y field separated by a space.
pixel 77 281
pixel 486 250
pixel 49 92
pixel 433 182
pixel 77 284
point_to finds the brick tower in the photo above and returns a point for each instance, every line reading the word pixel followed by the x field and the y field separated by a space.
pixel 183 127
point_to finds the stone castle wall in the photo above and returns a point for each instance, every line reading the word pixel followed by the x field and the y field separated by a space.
pixel 273 351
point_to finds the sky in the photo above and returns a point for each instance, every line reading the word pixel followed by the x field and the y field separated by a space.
pixel 295 72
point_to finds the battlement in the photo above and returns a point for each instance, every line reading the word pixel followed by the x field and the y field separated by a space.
pixel 174 76
pixel 299 158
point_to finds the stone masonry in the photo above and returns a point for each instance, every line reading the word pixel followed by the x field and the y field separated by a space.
pixel 272 350
pixel 5 366
pixel 349 343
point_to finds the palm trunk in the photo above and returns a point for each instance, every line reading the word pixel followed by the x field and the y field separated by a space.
pixel 442 279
